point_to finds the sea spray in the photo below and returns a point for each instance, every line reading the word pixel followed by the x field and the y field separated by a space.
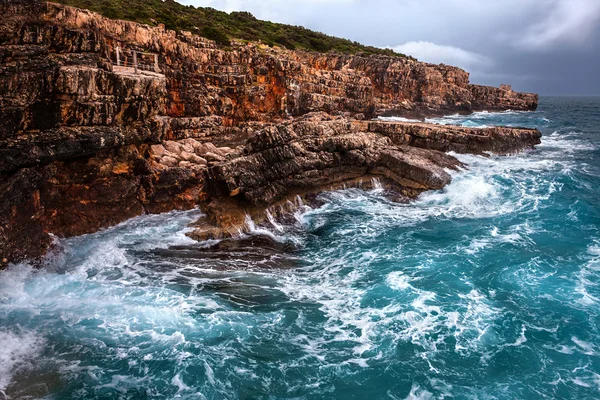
pixel 486 288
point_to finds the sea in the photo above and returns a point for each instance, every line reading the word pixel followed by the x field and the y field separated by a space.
pixel 487 289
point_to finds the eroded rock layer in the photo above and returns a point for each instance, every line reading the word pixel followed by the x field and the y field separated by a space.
pixel 85 143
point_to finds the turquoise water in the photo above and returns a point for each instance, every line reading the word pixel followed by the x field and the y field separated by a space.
pixel 489 289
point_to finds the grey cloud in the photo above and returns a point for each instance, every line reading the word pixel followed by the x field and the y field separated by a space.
pixel 567 22
pixel 436 53
pixel 545 46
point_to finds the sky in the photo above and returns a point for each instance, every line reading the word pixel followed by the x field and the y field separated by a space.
pixel 550 47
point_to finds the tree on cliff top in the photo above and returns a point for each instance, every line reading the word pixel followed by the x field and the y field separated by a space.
pixel 222 27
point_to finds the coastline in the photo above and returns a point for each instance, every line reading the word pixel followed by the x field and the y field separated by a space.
pixel 88 144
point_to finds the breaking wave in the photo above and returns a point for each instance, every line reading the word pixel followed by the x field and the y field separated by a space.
pixel 493 279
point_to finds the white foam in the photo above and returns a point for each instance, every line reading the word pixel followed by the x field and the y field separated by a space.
pixel 17 352
pixel 462 195
pixel 474 322
pixel 418 393
pixel 594 250
pixel 177 381
pixel 581 383
pixel 109 247
pixel 478 193
pixel 587 348
pixel 483 192
pixel 274 223
pixel 398 281
pixel 481 119
pixel 587 277
pixel 377 185
pixel 12 283
pixel 568 143
pixel 521 339
pixel 398 119
pixel 477 245
pixel 281 235
pixel 517 235
pixel 361 362
pixel 99 280
pixel 339 298
pixel 210 374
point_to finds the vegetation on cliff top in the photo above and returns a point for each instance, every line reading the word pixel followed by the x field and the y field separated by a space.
pixel 222 27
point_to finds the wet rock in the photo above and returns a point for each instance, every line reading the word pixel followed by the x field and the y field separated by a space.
pixel 254 252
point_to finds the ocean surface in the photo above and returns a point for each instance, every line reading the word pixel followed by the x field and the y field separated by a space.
pixel 488 289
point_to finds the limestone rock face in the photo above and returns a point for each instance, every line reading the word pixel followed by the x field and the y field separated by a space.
pixel 85 143
pixel 320 152
pixel 460 139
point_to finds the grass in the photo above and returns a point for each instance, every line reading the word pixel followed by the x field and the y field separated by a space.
pixel 222 27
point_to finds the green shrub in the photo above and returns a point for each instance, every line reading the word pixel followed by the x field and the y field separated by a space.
pixel 319 45
pixel 222 27
pixel 212 33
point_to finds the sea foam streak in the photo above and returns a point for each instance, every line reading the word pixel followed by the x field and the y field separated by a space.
pixel 492 279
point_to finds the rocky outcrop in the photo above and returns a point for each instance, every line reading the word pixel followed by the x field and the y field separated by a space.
pixel 85 194
pixel 280 162
pixel 459 139
pixel 85 144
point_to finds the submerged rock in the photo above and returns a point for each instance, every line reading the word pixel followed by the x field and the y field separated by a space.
pixel 256 251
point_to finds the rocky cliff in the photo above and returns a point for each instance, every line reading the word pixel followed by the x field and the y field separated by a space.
pixel 86 143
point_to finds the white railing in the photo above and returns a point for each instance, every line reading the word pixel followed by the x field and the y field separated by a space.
pixel 138 60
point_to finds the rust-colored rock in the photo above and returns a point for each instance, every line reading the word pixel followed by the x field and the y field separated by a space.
pixel 85 144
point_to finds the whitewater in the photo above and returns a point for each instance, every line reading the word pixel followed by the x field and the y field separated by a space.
pixel 487 289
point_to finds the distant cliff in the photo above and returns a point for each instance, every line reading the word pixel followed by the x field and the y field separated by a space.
pixel 86 141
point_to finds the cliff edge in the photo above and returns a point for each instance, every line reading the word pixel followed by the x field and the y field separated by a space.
pixel 103 120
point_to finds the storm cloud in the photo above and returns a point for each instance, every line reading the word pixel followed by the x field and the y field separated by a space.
pixel 543 46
